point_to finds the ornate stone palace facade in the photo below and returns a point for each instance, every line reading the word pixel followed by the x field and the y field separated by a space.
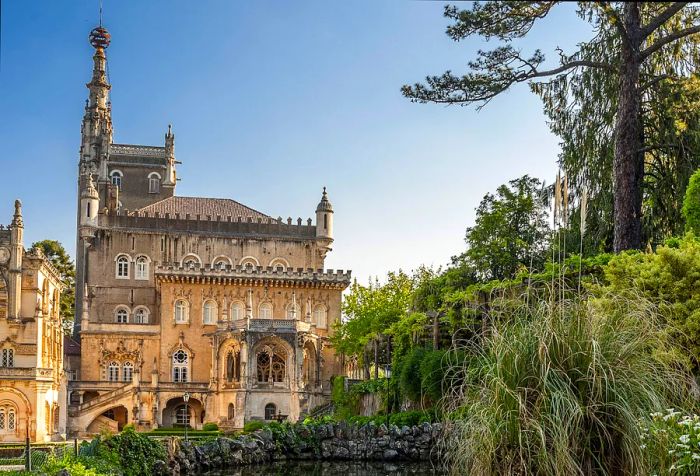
pixel 32 382
pixel 188 295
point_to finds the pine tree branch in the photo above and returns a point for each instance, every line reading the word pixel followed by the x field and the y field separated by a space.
pixel 658 44
pixel 661 18
pixel 654 81
pixel 615 19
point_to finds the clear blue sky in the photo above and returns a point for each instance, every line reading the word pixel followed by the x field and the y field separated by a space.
pixel 269 102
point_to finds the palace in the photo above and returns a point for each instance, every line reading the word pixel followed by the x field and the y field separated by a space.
pixel 190 309
pixel 32 382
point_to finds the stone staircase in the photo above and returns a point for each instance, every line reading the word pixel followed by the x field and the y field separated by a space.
pixel 319 411
pixel 89 414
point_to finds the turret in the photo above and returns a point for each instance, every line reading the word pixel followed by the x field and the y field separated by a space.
pixel 324 218
pixel 170 173
pixel 89 207
pixel 14 281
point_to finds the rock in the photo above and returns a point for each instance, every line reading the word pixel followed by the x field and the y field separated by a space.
pixel 390 455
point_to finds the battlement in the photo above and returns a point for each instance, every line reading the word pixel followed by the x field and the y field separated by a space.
pixel 129 150
pixel 176 272
pixel 210 225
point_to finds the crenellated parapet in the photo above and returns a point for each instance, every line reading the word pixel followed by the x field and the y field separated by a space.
pixel 207 224
pixel 253 276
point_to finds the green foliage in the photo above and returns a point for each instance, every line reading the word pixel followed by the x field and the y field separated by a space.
pixel 511 230
pixel 671 442
pixel 210 426
pixel 671 279
pixel 560 389
pixel 253 426
pixel 691 204
pixel 57 254
pixel 410 379
pixel 400 419
pixel 137 452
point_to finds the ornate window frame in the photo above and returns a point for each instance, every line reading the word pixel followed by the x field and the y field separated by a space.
pixel 142 267
pixel 122 266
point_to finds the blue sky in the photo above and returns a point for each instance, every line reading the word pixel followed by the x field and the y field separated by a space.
pixel 270 101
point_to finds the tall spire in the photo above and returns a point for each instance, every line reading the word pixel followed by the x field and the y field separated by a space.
pixel 99 85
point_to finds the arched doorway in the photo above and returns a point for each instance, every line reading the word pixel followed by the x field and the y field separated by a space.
pixel 178 414
pixel 270 411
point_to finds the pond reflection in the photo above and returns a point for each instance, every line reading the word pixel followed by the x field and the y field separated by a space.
pixel 334 468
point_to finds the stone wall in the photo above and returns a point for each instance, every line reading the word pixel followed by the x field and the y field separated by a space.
pixel 331 441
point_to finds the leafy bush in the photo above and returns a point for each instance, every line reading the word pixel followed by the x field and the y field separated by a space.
pixel 252 426
pixel 210 426
pixel 671 442
pixel 671 279
pixel 400 419
pixel 691 204
pixel 560 389
pixel 410 379
pixel 137 452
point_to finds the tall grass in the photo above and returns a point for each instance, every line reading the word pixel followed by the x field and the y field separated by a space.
pixel 560 388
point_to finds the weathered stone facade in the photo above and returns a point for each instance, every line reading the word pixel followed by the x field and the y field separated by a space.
pixel 32 382
pixel 191 295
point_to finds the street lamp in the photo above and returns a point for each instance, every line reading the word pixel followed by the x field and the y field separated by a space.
pixel 186 398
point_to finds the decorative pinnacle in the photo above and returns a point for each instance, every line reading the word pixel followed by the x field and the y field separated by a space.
pixel 17 218
pixel 100 37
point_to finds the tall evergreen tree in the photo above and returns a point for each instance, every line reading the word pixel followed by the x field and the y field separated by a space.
pixel 597 96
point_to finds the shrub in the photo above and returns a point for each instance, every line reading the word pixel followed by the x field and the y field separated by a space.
pixel 210 426
pixel 671 442
pixel 560 389
pixel 252 426
pixel 691 204
pixel 410 380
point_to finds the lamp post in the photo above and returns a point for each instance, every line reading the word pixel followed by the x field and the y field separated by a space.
pixel 186 398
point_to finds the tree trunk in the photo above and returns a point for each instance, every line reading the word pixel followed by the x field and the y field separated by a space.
pixel 376 359
pixel 628 164
pixel 365 363
pixel 436 330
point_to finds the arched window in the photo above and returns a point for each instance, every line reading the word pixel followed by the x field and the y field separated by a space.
pixel 181 366
pixel 191 262
pixel 293 311
pixel 221 263
pixel 8 419
pixel 270 369
pixel 182 311
pixel 182 416
pixel 153 183
pixel 8 358
pixel 122 316
pixel 320 317
pixel 279 264
pixel 270 411
pixel 127 371
pixel 237 311
pixel 249 262
pixel 141 315
pixel 141 267
pixel 113 372
pixel 116 177
pixel 209 313
pixel 123 267
pixel 231 411
pixel 265 311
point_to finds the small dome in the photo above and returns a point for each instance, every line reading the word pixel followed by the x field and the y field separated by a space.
pixel 324 205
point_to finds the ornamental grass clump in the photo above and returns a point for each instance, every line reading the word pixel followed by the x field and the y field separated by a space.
pixel 560 389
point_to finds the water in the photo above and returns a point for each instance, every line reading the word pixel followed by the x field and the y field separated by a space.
pixel 332 468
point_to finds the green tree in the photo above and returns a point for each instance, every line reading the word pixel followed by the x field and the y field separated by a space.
pixel 597 95
pixel 691 204
pixel 57 254
pixel 511 230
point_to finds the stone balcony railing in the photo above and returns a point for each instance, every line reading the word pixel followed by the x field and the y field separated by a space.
pixel 26 373
pixel 267 325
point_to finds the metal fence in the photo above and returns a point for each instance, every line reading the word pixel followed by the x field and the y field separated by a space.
pixel 32 456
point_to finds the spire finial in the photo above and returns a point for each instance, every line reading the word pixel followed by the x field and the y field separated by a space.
pixel 17 218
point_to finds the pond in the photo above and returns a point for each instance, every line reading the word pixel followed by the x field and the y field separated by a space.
pixel 332 468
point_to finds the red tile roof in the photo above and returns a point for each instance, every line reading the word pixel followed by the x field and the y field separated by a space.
pixel 203 207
